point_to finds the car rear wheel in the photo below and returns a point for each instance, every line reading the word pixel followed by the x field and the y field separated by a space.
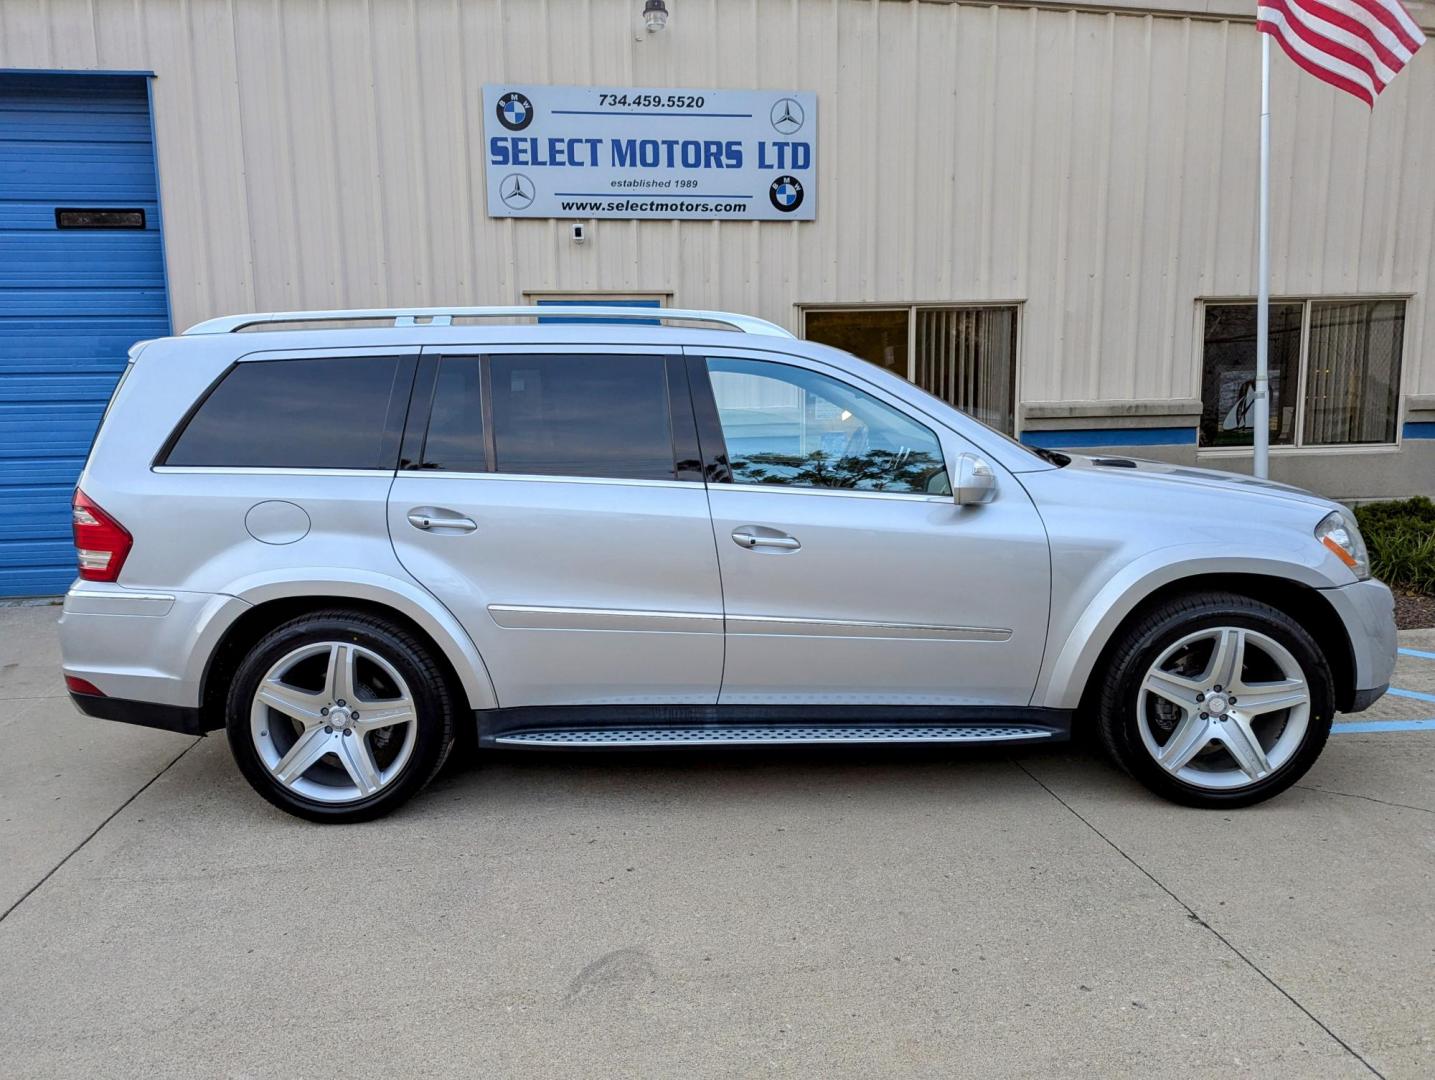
pixel 1216 700
pixel 339 717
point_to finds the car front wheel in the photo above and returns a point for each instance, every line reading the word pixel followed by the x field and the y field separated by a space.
pixel 1216 700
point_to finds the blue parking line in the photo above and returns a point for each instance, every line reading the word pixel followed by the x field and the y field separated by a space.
pixel 1419 653
pixel 1358 726
pixel 1414 694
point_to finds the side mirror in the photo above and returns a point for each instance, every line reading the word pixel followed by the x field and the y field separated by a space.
pixel 974 483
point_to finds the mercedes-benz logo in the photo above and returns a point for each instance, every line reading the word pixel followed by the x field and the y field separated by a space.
pixel 516 191
pixel 787 116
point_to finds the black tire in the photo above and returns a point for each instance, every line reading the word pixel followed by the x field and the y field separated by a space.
pixel 1144 642
pixel 429 688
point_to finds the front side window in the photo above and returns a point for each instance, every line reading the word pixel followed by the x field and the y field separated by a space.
pixel 1334 372
pixel 582 415
pixel 792 427
pixel 326 412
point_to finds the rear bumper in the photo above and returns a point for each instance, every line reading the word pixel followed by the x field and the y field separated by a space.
pixel 177 718
pixel 141 646
pixel 1367 610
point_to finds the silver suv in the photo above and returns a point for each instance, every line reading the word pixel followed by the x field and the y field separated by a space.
pixel 342 542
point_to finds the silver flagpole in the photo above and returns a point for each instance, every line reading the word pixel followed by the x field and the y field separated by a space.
pixel 1261 464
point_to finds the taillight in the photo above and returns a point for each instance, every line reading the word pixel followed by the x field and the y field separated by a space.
pixel 101 542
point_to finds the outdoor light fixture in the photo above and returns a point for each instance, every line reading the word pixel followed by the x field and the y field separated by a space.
pixel 655 15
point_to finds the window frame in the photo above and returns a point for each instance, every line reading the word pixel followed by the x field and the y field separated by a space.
pixel 911 307
pixel 557 299
pixel 684 446
pixel 718 469
pixel 593 296
pixel 400 396
pixel 1305 300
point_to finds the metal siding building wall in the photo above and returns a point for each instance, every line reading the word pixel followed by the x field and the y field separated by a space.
pixel 1099 166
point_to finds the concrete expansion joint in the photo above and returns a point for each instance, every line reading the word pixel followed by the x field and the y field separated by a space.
pixel 1196 918
pixel 1367 798
pixel 96 830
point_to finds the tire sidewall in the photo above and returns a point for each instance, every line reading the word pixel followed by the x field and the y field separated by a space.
pixel 1274 624
pixel 430 699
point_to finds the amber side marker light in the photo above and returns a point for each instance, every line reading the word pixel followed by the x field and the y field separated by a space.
pixel 1340 552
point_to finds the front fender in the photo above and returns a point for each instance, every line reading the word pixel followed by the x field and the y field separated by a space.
pixel 1075 641
pixel 405 597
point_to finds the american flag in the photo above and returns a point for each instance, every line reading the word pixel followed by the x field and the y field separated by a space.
pixel 1356 45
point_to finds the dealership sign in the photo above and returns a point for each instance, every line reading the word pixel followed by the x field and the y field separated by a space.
pixel 620 152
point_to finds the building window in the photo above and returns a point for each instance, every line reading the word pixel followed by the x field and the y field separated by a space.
pixel 964 355
pixel 620 300
pixel 1334 369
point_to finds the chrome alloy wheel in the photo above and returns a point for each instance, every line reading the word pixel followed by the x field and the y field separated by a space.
pixel 333 722
pixel 1223 708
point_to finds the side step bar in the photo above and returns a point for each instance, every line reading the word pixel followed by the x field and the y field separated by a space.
pixel 616 738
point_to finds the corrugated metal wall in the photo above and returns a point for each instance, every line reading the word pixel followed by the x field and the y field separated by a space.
pixel 1100 167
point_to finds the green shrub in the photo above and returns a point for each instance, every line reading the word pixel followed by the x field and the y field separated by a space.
pixel 1401 539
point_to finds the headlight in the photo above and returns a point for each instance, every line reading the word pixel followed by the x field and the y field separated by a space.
pixel 1341 535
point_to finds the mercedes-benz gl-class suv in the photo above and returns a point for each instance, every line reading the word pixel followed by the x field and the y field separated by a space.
pixel 344 542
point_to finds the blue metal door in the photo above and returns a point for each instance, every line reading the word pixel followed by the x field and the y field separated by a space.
pixel 81 280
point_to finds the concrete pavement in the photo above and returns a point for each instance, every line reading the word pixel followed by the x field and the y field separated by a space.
pixel 815 913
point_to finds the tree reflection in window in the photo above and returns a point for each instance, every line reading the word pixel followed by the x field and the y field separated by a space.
pixel 876 470
pixel 794 427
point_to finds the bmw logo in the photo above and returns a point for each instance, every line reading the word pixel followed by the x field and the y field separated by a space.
pixel 515 112
pixel 786 193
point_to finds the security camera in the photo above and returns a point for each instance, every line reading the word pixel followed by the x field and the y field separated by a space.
pixel 579 233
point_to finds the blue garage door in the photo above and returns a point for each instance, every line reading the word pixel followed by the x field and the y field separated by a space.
pixel 81 280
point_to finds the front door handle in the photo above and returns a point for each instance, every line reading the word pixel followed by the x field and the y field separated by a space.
pixel 759 536
pixel 439 519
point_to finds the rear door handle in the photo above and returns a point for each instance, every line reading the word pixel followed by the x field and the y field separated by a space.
pixel 439 519
pixel 759 536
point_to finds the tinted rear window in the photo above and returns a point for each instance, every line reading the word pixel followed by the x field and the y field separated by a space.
pixel 325 413
pixel 455 434
pixel 573 415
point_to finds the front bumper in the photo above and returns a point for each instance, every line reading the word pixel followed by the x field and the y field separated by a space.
pixel 1367 610
pixel 1364 699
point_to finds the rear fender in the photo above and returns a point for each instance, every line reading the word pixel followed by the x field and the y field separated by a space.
pixel 402 596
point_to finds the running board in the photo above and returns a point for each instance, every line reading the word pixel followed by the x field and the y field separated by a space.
pixel 618 738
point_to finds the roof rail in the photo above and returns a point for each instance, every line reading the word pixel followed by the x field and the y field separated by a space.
pixel 229 324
